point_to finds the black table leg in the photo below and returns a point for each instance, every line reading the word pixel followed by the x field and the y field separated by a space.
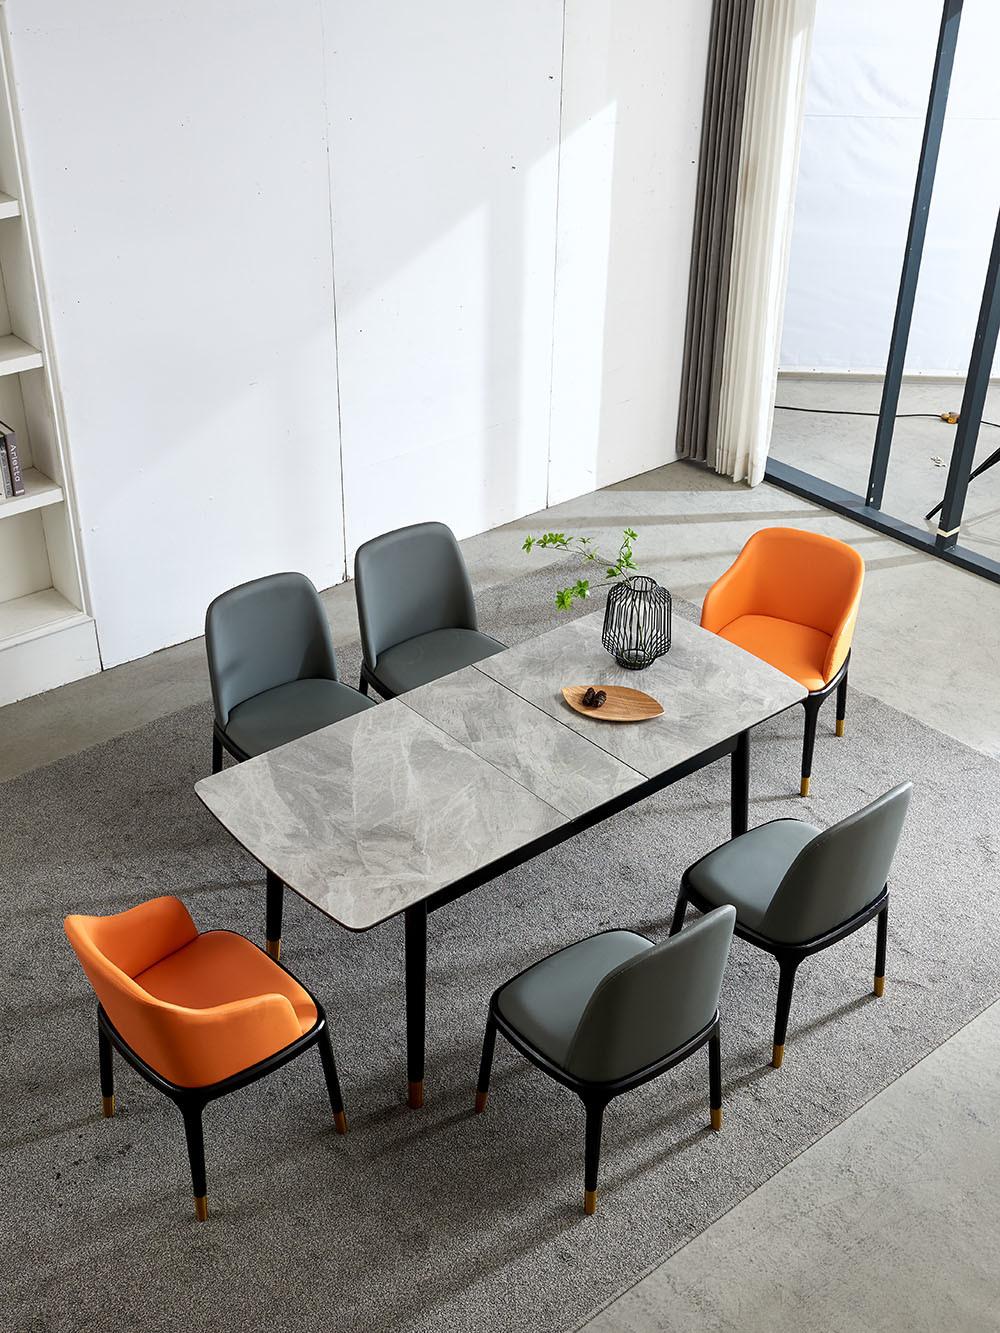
pixel 273 911
pixel 416 1001
pixel 740 789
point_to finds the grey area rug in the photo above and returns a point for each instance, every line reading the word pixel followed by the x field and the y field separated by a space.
pixel 440 1220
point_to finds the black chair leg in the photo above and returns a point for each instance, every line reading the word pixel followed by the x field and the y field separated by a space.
pixel 842 705
pixel 679 911
pixel 881 939
pixel 216 754
pixel 332 1081
pixel 272 915
pixel 486 1066
pixel 196 1156
pixel 363 683
pixel 105 1056
pixel 595 1123
pixel 812 706
pixel 715 1077
pixel 786 984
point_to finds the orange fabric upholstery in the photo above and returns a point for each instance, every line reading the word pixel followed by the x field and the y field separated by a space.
pixel 196 1008
pixel 792 599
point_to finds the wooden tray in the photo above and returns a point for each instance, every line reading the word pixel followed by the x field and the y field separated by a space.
pixel 622 705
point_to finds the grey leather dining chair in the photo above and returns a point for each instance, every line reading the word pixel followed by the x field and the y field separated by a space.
pixel 798 889
pixel 613 1011
pixel 416 609
pixel 274 678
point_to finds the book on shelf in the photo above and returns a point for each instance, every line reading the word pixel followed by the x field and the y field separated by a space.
pixel 10 462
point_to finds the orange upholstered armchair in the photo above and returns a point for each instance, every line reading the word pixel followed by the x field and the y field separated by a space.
pixel 792 599
pixel 197 1015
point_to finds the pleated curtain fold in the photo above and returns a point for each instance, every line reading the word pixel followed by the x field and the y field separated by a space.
pixel 715 208
pixel 755 90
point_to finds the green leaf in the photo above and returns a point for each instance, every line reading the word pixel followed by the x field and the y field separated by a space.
pixel 564 599
pixel 613 573
pixel 528 543
pixel 581 589
pixel 631 535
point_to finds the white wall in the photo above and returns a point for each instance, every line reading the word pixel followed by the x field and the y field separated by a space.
pixel 632 101
pixel 177 159
pixel 444 135
pixel 209 174
pixel 867 98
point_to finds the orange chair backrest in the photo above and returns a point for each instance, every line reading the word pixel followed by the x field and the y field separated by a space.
pixel 192 1047
pixel 792 575
pixel 115 949
pixel 801 576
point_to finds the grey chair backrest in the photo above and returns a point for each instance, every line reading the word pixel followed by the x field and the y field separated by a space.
pixel 839 873
pixel 265 633
pixel 654 1003
pixel 410 582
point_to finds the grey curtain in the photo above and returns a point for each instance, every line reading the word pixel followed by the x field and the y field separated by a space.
pixel 711 249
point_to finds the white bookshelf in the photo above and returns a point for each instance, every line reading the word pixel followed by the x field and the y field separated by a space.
pixel 47 636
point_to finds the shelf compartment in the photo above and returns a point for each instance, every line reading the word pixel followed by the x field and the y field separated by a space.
pixel 25 618
pixel 17 355
pixel 9 207
pixel 39 491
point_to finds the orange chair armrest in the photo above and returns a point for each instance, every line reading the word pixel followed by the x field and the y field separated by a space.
pixel 841 639
pixel 728 598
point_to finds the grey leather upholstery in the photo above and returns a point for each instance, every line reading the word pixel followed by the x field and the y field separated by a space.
pixel 430 656
pixel 289 711
pixel 415 607
pixel 272 665
pixel 746 871
pixel 614 1004
pixel 833 875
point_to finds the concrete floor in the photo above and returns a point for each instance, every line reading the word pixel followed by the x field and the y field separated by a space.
pixel 889 1222
pixel 839 448
pixel 908 1233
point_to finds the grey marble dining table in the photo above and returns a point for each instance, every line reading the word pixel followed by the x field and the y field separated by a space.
pixel 407 806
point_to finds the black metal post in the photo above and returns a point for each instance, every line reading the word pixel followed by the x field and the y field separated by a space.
pixel 740 786
pixel 416 1000
pixel 970 418
pixel 933 125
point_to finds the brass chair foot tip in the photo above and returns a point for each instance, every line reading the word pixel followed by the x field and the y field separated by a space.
pixel 879 987
pixel 201 1207
pixel 340 1120
pixel 273 949
pixel 777 1055
pixel 415 1095
pixel 590 1202
pixel 108 1105
pixel 716 1117
pixel 840 726
pixel 804 787
pixel 481 1098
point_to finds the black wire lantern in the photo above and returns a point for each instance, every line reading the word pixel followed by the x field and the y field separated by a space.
pixel 637 622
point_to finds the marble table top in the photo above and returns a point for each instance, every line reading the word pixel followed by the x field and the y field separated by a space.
pixel 710 690
pixel 552 760
pixel 385 809
pixel 375 813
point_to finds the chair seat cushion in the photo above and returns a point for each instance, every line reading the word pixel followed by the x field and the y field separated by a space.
pixel 430 656
pixel 218 967
pixel 545 1003
pixel 289 711
pixel 747 871
pixel 796 650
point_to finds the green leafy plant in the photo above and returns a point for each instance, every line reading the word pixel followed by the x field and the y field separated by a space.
pixel 622 568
